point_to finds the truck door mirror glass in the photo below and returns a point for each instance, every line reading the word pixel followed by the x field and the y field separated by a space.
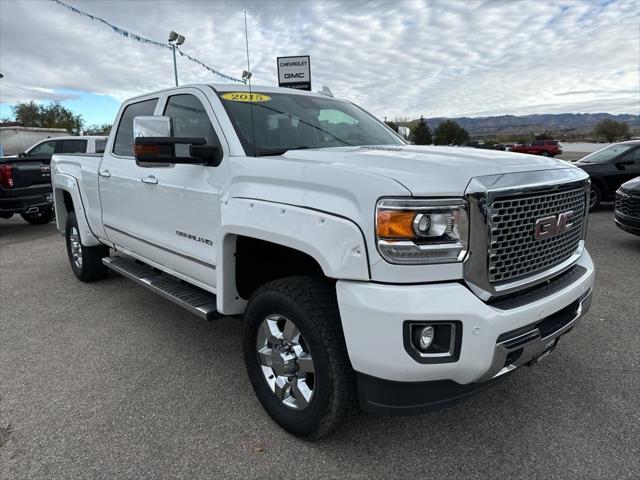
pixel 151 126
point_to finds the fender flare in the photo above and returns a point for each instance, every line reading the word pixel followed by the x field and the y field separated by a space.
pixel 337 244
pixel 67 183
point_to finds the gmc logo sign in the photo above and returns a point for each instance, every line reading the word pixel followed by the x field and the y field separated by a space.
pixel 554 225
pixel 294 75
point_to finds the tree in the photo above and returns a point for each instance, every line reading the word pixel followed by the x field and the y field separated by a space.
pixel 544 136
pixel 103 129
pixel 54 115
pixel 612 130
pixel 421 133
pixel 392 125
pixel 449 132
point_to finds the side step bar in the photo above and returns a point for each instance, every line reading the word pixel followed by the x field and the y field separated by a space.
pixel 194 299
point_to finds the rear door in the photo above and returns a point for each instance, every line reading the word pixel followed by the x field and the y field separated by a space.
pixel 119 181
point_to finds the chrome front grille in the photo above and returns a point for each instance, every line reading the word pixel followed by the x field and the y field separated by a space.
pixel 514 252
pixel 627 204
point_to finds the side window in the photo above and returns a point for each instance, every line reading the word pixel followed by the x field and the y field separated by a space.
pixel 123 144
pixel 74 146
pixel 100 145
pixel 45 149
pixel 189 119
pixel 635 156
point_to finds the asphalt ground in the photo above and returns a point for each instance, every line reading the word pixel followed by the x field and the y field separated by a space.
pixel 107 380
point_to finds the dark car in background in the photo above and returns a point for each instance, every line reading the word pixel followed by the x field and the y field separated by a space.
pixel 609 168
pixel 627 209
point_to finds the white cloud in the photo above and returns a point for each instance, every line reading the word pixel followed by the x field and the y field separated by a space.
pixel 436 58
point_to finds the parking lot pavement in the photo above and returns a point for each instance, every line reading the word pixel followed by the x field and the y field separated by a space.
pixel 107 380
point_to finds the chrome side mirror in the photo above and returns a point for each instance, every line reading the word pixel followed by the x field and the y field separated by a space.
pixel 151 126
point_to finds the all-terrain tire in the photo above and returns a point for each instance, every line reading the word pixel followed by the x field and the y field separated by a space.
pixel 86 262
pixel 310 303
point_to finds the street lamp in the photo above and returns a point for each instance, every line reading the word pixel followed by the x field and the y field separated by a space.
pixel 175 40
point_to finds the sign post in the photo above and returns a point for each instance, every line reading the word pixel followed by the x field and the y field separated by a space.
pixel 294 72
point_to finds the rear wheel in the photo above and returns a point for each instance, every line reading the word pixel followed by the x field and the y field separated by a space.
pixel 595 197
pixel 40 217
pixel 296 357
pixel 86 262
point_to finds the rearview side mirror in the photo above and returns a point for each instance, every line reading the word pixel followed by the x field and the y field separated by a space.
pixel 153 143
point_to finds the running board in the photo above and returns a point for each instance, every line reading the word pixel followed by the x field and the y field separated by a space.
pixel 194 299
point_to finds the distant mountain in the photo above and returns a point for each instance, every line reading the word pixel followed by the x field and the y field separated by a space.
pixel 512 124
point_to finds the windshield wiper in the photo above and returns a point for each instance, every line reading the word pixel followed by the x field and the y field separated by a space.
pixel 266 152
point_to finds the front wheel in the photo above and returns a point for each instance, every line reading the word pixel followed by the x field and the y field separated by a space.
pixel 40 217
pixel 296 356
pixel 86 262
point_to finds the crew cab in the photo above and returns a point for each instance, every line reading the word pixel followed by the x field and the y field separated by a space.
pixel 367 271
pixel 546 148
pixel 44 149
pixel 25 179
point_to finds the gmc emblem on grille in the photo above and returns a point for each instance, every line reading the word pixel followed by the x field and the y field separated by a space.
pixel 554 225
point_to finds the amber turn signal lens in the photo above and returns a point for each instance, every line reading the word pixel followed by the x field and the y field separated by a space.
pixel 395 224
pixel 146 149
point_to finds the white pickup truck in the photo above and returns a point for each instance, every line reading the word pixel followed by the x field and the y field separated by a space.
pixel 369 272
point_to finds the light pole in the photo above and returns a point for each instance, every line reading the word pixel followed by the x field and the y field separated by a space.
pixel 175 40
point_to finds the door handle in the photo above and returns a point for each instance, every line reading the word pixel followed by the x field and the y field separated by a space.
pixel 104 173
pixel 150 179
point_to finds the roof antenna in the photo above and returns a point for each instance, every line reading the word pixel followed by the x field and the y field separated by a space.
pixel 246 76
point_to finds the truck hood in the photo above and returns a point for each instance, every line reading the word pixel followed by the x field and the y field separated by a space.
pixel 425 170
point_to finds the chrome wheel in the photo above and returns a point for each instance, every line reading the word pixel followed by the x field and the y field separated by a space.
pixel 286 361
pixel 76 247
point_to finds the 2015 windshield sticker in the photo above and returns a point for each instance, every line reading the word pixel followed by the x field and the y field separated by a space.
pixel 246 97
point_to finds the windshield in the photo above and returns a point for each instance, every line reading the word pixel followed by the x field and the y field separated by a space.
pixel 291 121
pixel 605 154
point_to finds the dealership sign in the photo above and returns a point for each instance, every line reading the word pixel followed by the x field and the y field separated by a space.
pixel 294 72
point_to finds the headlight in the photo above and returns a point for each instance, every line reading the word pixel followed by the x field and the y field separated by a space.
pixel 422 231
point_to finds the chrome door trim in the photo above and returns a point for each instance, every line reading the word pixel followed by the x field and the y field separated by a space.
pixel 135 237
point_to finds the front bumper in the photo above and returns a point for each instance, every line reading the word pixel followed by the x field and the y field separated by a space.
pixel 373 316
pixel 628 224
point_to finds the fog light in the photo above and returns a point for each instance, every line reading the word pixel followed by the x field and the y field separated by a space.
pixel 426 337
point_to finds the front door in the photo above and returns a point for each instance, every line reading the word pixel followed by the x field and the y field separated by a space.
pixel 179 213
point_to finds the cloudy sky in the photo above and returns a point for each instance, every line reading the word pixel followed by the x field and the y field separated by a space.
pixel 431 58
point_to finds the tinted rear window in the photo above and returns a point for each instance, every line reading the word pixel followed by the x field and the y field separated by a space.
pixel 100 146
pixel 74 146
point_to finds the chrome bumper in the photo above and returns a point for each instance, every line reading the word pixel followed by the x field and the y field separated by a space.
pixel 526 345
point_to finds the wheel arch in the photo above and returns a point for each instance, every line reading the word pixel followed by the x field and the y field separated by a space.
pixel 271 240
pixel 67 199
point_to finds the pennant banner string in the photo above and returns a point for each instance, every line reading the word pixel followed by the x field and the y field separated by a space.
pixel 148 41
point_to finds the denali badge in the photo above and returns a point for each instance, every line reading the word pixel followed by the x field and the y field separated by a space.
pixel 554 225
pixel 190 236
